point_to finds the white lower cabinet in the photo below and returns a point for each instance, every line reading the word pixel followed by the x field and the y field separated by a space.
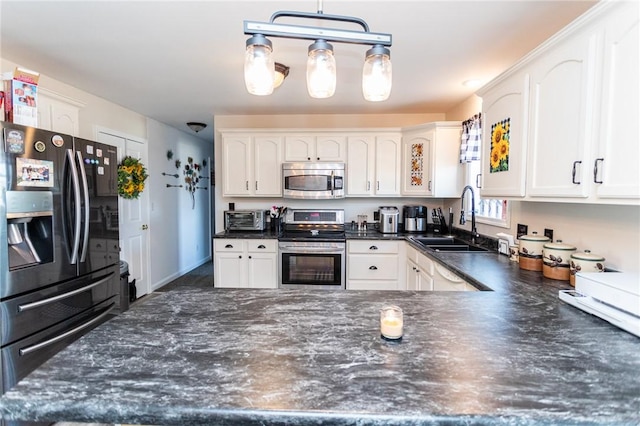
pixel 425 274
pixel 374 265
pixel 251 263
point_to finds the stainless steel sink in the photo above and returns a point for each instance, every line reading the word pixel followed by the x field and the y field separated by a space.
pixel 449 244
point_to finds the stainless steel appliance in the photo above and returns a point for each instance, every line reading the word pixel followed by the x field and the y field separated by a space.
pixel 414 218
pixel 389 220
pixel 313 180
pixel 244 220
pixel 55 282
pixel 312 250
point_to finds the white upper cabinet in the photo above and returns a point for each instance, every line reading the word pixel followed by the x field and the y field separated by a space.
pixel 560 130
pixel 373 165
pixel 575 129
pixel 430 160
pixel 251 165
pixel 303 148
pixel 58 113
pixel 616 174
pixel 505 103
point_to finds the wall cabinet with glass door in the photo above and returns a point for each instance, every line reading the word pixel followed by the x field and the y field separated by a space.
pixel 251 165
pixel 430 160
pixel 373 165
pixel 303 148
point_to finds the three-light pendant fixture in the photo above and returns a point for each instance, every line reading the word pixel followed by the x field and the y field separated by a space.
pixel 259 65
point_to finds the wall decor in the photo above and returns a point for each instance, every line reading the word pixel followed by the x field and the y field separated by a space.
pixel 131 177
pixel 175 175
pixel 499 154
pixel 169 155
pixel 191 174
pixel 173 186
pixel 178 164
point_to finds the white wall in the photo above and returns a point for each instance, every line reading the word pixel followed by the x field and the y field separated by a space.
pixel 179 237
pixel 180 233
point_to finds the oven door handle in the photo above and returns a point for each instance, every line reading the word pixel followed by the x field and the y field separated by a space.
pixel 33 348
pixel 292 249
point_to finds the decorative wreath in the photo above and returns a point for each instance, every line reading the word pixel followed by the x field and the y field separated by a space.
pixel 131 177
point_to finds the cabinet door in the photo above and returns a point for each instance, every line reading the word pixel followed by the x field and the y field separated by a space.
pixel 299 148
pixel 562 102
pixel 507 104
pixel 236 165
pixel 416 172
pixel 425 281
pixel 616 170
pixel 267 166
pixel 331 148
pixel 360 170
pixel 262 270
pixel 387 169
pixel 230 270
pixel 412 276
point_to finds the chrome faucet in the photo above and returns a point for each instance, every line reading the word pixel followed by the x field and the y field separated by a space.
pixel 474 231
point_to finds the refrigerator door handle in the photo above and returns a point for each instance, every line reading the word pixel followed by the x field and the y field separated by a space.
pixel 76 193
pixel 85 187
pixel 42 302
pixel 33 348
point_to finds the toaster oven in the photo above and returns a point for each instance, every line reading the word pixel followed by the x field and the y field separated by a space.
pixel 244 220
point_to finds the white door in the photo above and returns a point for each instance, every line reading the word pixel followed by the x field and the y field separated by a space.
pixel 134 214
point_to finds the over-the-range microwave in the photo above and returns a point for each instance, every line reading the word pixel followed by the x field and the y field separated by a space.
pixel 313 181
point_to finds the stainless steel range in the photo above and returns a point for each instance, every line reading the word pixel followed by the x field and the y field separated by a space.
pixel 312 250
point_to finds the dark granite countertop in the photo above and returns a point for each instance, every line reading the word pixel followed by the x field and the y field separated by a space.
pixel 515 355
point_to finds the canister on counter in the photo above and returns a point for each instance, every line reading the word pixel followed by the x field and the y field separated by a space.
pixel 555 260
pixel 584 262
pixel 513 253
pixel 530 255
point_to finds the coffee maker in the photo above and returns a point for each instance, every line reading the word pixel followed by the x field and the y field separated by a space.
pixel 414 218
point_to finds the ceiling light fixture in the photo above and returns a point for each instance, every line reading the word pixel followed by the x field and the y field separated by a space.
pixel 281 72
pixel 195 126
pixel 321 66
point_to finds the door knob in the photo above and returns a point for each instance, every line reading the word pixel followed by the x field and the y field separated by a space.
pixel 145 227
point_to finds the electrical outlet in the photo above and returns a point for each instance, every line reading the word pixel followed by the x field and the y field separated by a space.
pixel 548 233
pixel 522 230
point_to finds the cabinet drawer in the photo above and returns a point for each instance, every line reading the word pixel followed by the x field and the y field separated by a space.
pixel 230 245
pixel 373 247
pixel 262 246
pixel 380 267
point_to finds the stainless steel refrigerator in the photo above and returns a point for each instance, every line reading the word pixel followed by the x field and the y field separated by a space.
pixel 59 253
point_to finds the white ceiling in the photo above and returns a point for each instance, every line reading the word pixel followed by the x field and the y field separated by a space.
pixel 178 61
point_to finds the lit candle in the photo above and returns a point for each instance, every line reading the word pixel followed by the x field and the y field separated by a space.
pixel 391 322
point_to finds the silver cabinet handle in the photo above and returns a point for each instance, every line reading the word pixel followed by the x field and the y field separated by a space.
pixel 33 348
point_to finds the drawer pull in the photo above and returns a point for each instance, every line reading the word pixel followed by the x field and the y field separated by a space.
pixel 373 268
pixel 595 170
pixel 228 246
pixel 373 248
pixel 573 172
pixel 261 246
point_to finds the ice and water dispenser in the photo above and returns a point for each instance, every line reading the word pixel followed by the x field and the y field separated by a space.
pixel 29 228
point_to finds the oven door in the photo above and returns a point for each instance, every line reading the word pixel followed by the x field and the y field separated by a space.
pixel 319 266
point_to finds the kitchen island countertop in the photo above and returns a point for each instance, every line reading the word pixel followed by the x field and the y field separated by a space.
pixel 516 355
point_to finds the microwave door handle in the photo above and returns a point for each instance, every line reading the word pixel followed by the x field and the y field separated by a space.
pixel 333 182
